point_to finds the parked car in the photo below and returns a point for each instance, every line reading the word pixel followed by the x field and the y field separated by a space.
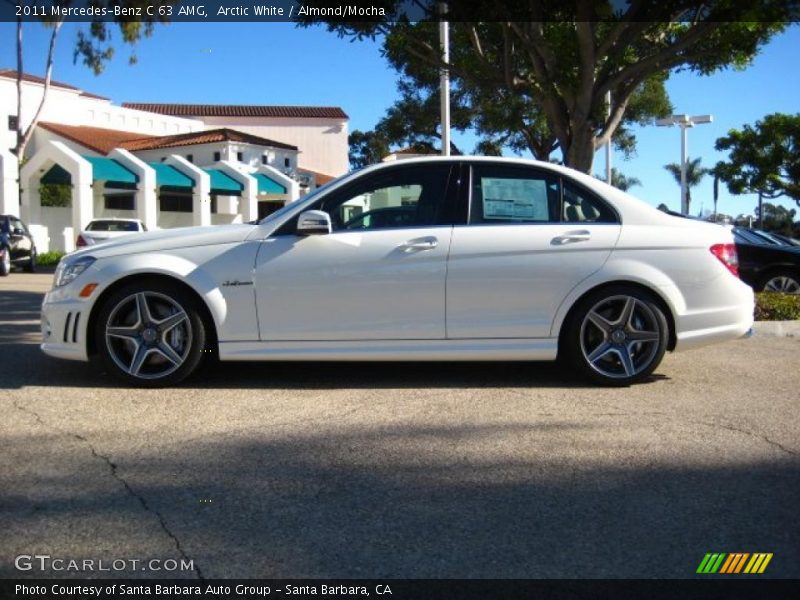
pixel 102 230
pixel 17 248
pixel 503 259
pixel 765 265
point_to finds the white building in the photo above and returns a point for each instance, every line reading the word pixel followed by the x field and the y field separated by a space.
pixel 169 165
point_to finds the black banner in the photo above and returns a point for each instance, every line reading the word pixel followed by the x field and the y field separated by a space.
pixel 376 11
pixel 399 589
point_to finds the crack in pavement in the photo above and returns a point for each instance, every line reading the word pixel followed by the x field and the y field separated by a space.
pixel 131 492
pixel 713 425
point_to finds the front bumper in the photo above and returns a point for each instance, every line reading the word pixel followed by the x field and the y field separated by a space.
pixel 64 326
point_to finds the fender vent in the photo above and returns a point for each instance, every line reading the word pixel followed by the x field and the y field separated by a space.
pixel 66 327
pixel 75 327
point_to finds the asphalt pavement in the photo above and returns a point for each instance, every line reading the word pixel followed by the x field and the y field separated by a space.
pixel 487 470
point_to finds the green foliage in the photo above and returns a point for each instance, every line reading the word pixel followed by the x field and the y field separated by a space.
pixel 366 148
pixel 49 259
pixel 55 194
pixel 535 75
pixel 94 44
pixel 778 219
pixel 620 181
pixel 774 306
pixel 763 158
pixel 694 175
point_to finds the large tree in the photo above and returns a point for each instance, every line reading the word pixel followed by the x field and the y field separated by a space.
pixel 763 159
pixel 93 46
pixel 551 63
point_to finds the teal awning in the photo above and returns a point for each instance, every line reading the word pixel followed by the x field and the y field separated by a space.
pixel 267 185
pixel 57 175
pixel 108 169
pixel 169 176
pixel 224 184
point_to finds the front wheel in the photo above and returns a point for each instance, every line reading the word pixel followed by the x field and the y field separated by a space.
pixel 30 266
pixel 5 262
pixel 616 336
pixel 150 334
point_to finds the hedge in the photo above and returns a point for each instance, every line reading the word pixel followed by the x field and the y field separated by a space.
pixel 48 259
pixel 774 306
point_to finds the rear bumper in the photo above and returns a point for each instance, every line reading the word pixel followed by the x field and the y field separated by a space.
pixel 728 320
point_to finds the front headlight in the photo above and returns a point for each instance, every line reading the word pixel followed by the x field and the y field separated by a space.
pixel 68 270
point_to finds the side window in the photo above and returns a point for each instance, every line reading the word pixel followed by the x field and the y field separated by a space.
pixel 581 207
pixel 503 194
pixel 17 224
pixel 405 197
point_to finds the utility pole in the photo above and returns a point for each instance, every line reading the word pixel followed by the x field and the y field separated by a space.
pixel 444 79
pixel 684 122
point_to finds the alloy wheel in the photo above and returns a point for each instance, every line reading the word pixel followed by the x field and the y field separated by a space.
pixel 148 335
pixel 783 284
pixel 620 337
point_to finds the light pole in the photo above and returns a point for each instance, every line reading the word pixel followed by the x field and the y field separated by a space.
pixel 684 122
pixel 444 79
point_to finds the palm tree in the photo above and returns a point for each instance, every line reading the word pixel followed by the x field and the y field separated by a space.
pixel 621 182
pixel 694 175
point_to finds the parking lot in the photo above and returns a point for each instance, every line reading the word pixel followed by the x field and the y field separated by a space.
pixel 398 470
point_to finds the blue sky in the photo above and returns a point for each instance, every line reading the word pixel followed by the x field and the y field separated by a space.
pixel 276 63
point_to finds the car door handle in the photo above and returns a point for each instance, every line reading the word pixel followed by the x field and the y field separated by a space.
pixel 571 237
pixel 426 243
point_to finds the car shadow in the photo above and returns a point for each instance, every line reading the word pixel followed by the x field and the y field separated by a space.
pixel 26 365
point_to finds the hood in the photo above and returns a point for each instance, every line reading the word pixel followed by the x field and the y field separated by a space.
pixel 167 239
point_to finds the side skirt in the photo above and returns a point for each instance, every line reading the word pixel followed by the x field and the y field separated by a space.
pixel 394 350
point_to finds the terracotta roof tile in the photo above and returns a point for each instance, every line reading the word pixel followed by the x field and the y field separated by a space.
pixel 319 178
pixel 204 137
pixel 95 138
pixel 12 74
pixel 229 110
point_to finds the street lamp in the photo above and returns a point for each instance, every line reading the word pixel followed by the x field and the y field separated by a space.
pixel 684 122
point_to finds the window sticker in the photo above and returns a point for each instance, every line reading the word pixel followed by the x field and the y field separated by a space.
pixel 514 199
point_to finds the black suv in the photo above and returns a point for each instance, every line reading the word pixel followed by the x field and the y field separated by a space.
pixel 16 245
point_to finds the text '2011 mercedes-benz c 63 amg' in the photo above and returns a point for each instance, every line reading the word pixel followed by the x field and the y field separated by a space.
pixel 422 259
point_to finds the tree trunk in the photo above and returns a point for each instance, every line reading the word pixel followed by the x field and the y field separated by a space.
pixel 579 150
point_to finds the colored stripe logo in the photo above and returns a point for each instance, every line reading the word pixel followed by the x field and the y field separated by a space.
pixel 734 563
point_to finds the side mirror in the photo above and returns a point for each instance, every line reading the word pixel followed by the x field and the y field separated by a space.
pixel 17 231
pixel 314 222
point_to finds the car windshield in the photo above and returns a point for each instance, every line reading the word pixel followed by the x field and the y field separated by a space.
pixel 113 226
pixel 306 199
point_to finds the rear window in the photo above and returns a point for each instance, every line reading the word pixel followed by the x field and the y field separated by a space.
pixel 113 226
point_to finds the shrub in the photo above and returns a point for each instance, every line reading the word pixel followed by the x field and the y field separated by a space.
pixel 47 259
pixel 774 306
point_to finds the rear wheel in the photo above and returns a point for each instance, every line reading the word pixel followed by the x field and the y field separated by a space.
pixel 617 336
pixel 150 334
pixel 784 282
pixel 5 262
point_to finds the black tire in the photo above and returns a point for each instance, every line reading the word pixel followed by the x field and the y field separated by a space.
pixel 5 262
pixel 30 266
pixel 611 324
pixel 143 346
pixel 782 281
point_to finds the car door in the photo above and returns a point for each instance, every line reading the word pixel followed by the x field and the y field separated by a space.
pixel 532 236
pixel 20 239
pixel 380 274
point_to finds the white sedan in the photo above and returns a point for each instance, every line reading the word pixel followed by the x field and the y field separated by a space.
pixel 484 259
pixel 103 230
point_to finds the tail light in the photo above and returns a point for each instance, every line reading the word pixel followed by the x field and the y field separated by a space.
pixel 726 253
pixel 81 242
